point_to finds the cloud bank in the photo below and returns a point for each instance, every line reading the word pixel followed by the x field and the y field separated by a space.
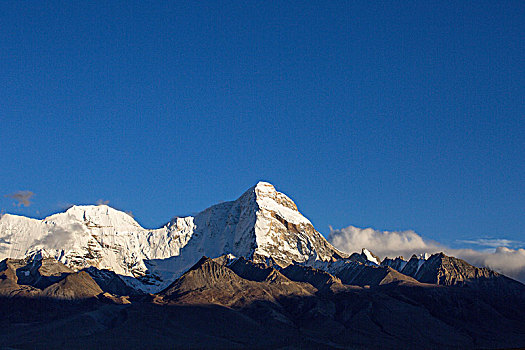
pixel 510 262
pixel 22 197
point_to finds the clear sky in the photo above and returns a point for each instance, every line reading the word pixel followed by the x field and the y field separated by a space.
pixel 394 115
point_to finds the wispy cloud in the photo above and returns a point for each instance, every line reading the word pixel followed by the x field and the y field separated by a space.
pixel 510 262
pixel 492 242
pixel 22 197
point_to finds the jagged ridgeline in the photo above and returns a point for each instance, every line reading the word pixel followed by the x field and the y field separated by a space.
pixel 262 224
pixel 250 273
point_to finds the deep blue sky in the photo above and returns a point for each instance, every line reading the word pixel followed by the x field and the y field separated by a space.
pixel 395 115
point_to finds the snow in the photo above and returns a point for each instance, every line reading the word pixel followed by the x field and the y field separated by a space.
pixel 425 256
pixel 422 258
pixel 266 199
pixel 262 222
pixel 370 257
pixel 97 236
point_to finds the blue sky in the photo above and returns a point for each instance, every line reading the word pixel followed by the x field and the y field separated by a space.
pixel 394 116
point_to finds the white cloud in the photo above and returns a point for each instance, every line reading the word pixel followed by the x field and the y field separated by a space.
pixel 382 243
pixel 59 236
pixel 510 262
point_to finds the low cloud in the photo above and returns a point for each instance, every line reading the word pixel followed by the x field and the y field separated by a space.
pixel 59 236
pixel 510 262
pixel 382 243
pixel 102 202
pixel 22 198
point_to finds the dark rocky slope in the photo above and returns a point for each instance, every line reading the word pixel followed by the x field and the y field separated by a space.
pixel 450 271
pixel 224 303
pixel 400 313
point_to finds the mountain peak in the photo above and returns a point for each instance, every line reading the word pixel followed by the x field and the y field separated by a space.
pixel 102 209
pixel 99 215
pixel 267 197
pixel 262 224
pixel 264 186
pixel 369 256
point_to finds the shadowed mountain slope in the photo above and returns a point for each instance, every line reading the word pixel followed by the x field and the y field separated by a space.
pixel 225 303
pixel 77 285
pixel 319 279
pixel 48 278
pixel 210 281
pixel 450 271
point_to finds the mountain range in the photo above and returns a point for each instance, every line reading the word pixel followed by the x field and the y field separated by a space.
pixel 249 273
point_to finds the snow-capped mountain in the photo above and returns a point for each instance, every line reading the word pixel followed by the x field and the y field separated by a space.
pixel 254 269
pixel 98 236
pixel 260 225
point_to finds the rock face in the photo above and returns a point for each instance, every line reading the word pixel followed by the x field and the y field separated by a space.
pixel 209 280
pixel 45 278
pixel 450 271
pixel 77 285
pixel 9 280
pixel 398 263
pixel 49 278
pixel 110 282
pixel 352 272
pixel 262 224
pixel 446 270
pixel 320 279
pixel 366 257
pixel 258 272
pixel 40 272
